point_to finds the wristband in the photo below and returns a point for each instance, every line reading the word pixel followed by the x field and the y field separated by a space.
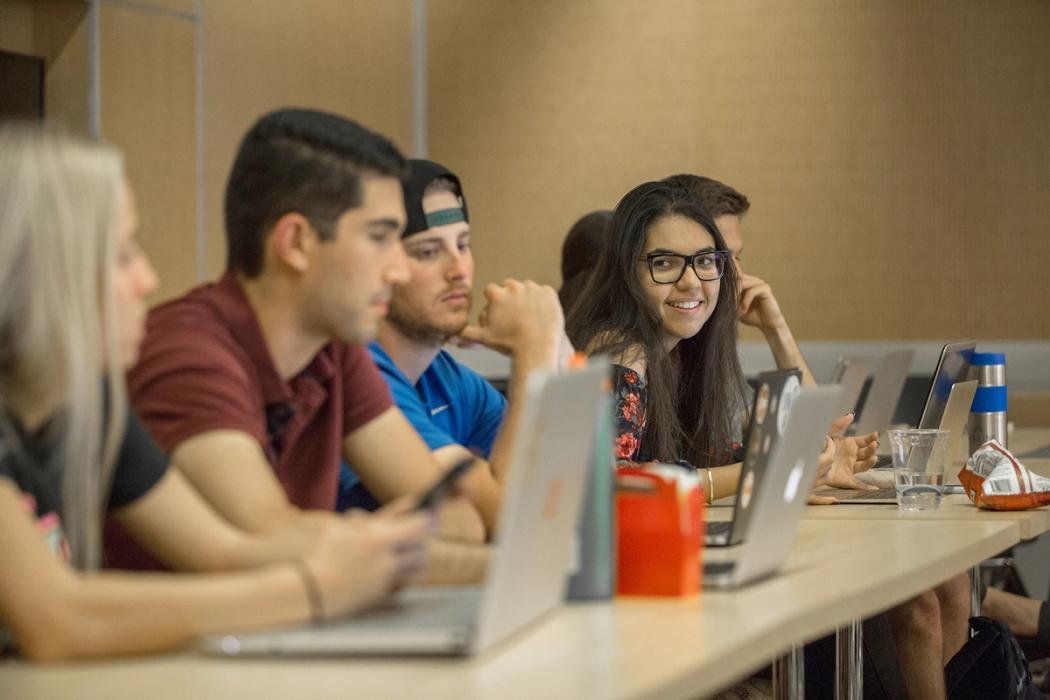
pixel 313 591
pixel 711 483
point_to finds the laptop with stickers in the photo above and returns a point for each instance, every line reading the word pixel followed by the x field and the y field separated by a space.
pixel 774 395
pixel 777 507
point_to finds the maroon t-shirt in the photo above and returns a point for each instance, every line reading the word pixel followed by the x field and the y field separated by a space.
pixel 205 366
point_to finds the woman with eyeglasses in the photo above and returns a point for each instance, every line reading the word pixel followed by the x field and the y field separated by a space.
pixel 73 287
pixel 661 303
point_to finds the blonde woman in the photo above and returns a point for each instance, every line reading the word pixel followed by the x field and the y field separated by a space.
pixel 73 284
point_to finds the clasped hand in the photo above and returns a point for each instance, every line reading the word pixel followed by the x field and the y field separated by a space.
pixel 524 320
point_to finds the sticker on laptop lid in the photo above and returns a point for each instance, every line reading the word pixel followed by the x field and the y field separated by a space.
pixel 788 394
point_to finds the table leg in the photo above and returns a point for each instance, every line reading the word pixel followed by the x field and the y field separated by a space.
pixel 974 595
pixel 789 675
pixel 975 591
pixel 849 662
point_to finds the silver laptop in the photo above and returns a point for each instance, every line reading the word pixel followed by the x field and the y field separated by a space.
pixel 778 506
pixel 953 367
pixel 954 416
pixel 886 387
pixel 527 573
pixel 774 396
pixel 850 373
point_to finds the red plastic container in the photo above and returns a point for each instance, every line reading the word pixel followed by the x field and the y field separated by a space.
pixel 660 518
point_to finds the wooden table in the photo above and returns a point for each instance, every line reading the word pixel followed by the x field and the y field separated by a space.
pixel 1025 440
pixel 633 648
pixel 1030 523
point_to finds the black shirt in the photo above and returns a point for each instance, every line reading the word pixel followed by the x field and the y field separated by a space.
pixel 34 468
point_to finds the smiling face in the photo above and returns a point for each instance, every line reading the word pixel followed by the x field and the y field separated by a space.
pixel 435 302
pixel 683 307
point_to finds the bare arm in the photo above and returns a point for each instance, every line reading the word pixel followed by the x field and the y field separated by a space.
pixel 455 563
pixel 229 469
pixel 483 485
pixel 759 308
pixel 786 353
pixel 479 485
pixel 204 540
pixel 56 613
pixel 523 320
pixel 725 481
pixel 392 460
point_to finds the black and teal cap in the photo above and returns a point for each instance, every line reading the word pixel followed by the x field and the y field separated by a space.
pixel 420 174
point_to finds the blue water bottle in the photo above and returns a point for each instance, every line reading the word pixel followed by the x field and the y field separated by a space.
pixel 988 413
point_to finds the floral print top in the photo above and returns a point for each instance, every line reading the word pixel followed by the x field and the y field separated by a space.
pixel 629 391
pixel 629 419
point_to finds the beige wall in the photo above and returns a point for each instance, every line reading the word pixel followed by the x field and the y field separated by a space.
pixel 148 108
pixel 16 27
pixel 354 58
pixel 897 154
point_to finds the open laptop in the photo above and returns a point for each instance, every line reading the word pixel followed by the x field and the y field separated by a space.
pixel 886 387
pixel 954 416
pixel 527 572
pixel 850 373
pixel 946 407
pixel 953 366
pixel 774 396
pixel 778 506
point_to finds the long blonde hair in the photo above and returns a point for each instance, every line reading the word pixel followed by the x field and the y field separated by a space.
pixel 60 203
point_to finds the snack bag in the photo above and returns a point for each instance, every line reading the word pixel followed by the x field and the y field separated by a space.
pixel 994 479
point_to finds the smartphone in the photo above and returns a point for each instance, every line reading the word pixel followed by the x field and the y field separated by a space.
pixel 443 488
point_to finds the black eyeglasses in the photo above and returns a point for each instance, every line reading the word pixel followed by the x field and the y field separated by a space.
pixel 668 268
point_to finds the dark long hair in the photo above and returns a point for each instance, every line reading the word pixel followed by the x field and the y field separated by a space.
pixel 693 392
pixel 578 252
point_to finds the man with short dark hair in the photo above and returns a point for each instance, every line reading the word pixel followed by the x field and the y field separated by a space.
pixel 257 384
pixel 453 408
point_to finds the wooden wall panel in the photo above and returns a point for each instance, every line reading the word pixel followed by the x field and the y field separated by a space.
pixel 55 31
pixel 148 109
pixel 16 27
pixel 896 154
pixel 354 58
pixel 61 34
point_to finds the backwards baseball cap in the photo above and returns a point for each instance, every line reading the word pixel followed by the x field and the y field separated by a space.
pixel 420 174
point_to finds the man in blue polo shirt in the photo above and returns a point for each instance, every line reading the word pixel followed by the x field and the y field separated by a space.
pixel 452 407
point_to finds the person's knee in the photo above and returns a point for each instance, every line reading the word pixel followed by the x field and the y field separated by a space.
pixel 954 596
pixel 920 616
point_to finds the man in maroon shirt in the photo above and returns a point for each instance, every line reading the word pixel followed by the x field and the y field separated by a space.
pixel 256 384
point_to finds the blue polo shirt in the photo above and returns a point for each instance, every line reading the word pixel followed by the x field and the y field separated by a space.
pixel 451 404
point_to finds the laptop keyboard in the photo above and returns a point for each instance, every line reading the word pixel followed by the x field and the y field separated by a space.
pixel 719 528
pixel 425 610
pixel 716 533
pixel 879 495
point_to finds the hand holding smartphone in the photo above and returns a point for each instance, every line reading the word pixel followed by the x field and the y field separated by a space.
pixel 445 485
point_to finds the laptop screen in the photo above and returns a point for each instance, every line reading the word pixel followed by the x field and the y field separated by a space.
pixel 953 367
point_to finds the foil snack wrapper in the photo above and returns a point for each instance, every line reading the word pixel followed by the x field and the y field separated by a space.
pixel 996 480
